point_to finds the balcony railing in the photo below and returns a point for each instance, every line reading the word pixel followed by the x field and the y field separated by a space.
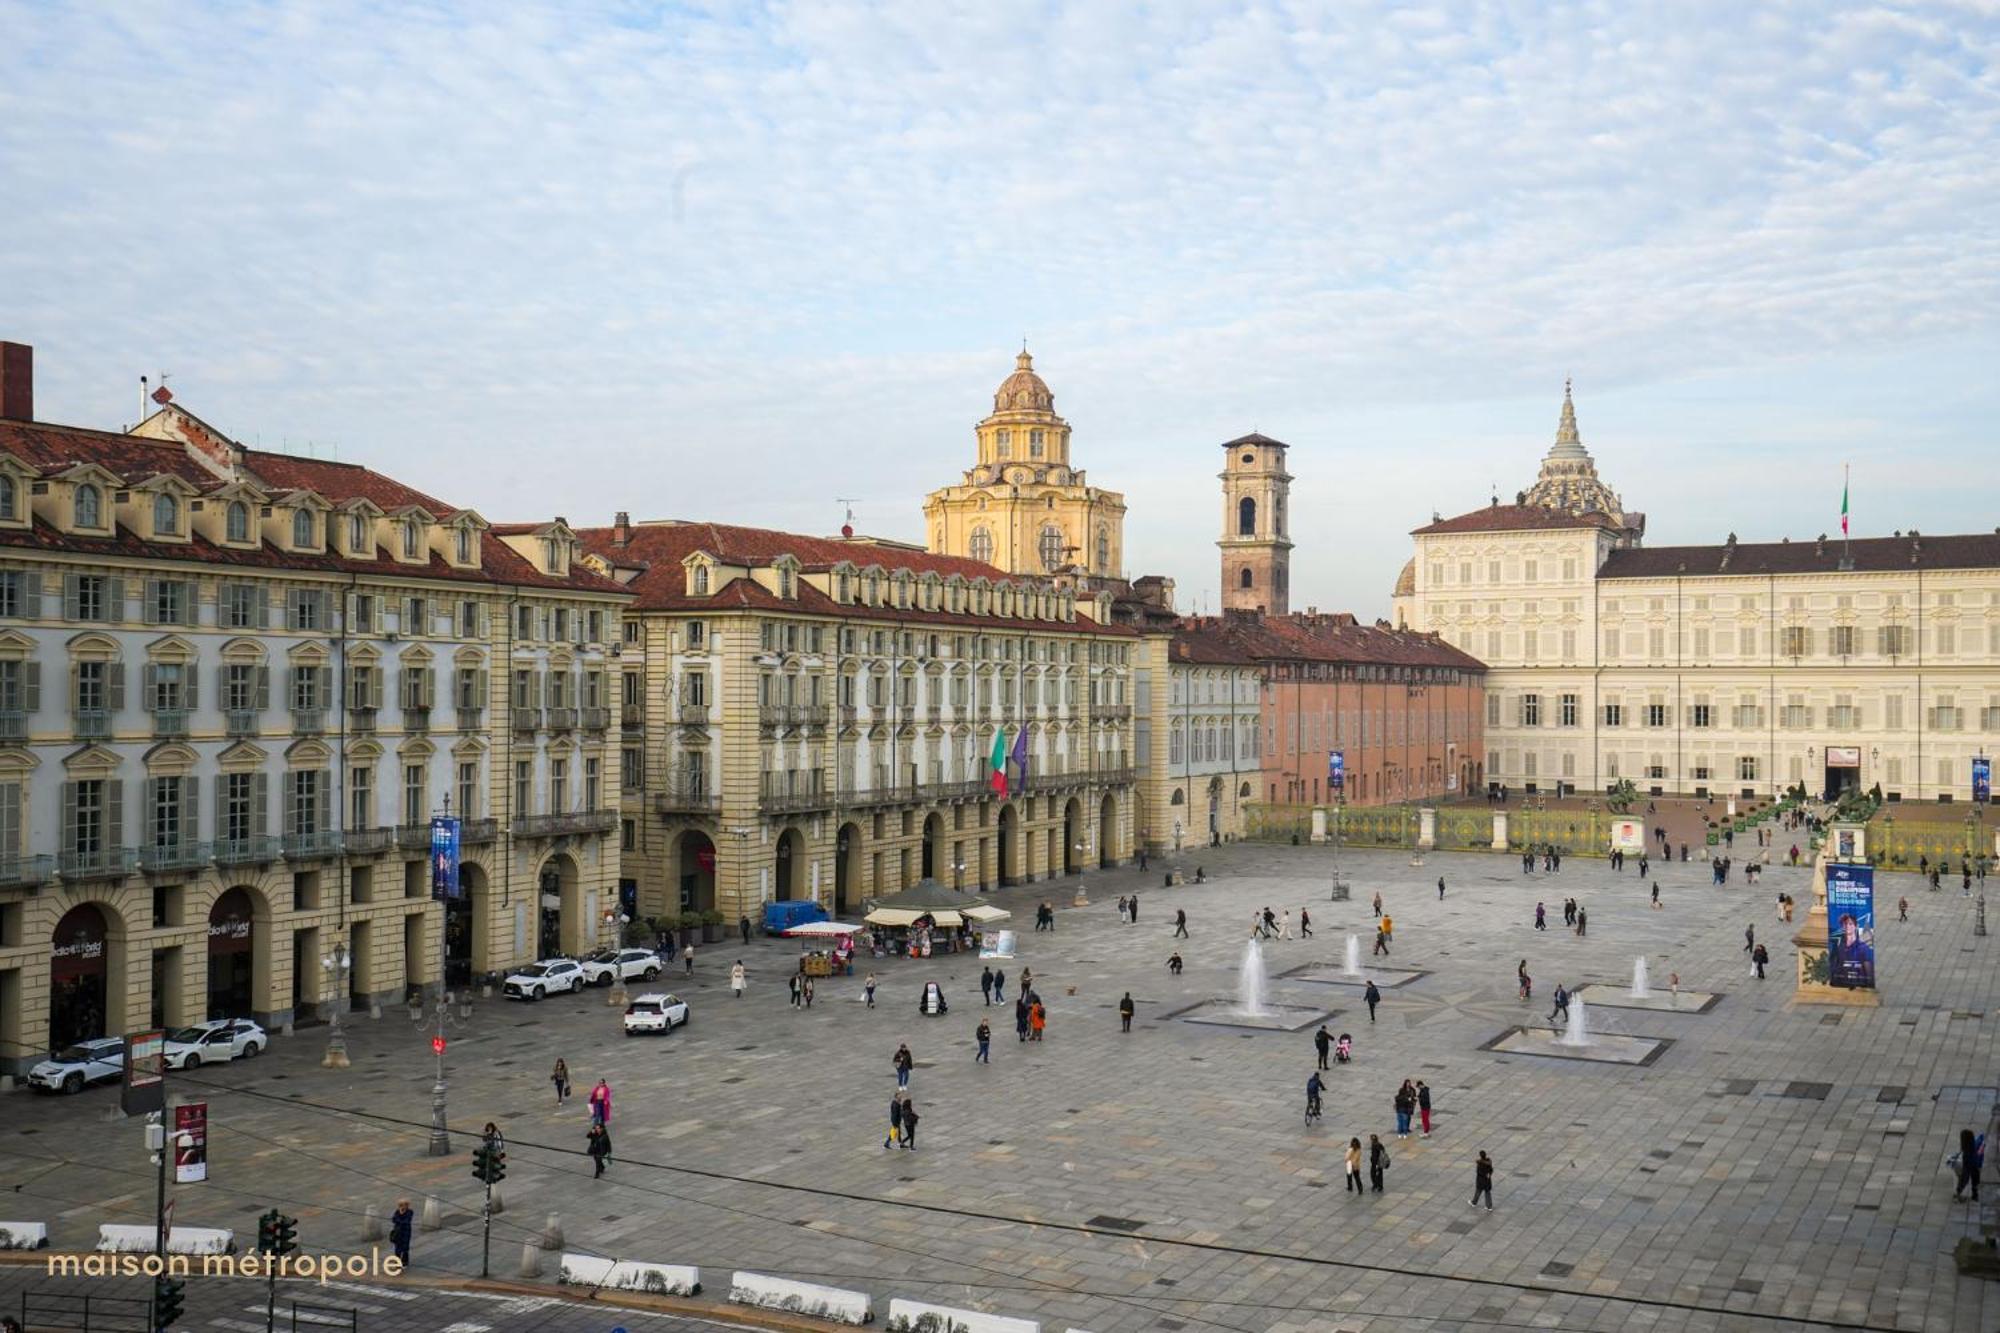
pixel 312 846
pixel 18 870
pixel 417 837
pixel 361 720
pixel 260 850
pixel 562 719
pixel 574 821
pixel 478 832
pixel 309 721
pixel 170 724
pixel 416 719
pixel 954 791
pixel 694 715
pixel 595 719
pixel 770 715
pixel 527 719
pixel 96 863
pixel 1116 777
pixel 471 719
pixel 13 724
pixel 691 800
pixel 811 715
pixel 173 856
pixel 632 718
pixel 848 714
pixel 934 713
pixel 882 795
pixel 787 802
pixel 1112 712
pixel 241 722
pixel 368 841
pixel 93 724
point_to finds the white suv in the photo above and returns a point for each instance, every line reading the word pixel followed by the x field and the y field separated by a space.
pixel 68 1070
pixel 655 1013
pixel 551 976
pixel 609 965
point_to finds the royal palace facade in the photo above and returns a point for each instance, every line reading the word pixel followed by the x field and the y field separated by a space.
pixel 235 687
pixel 1737 668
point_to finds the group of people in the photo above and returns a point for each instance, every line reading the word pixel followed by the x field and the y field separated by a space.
pixel 1128 910
pixel 1551 857
pixel 1265 924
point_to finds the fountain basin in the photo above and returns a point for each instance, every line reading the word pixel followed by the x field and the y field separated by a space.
pixel 1274 1017
pixel 1327 974
pixel 1612 996
pixel 1605 1048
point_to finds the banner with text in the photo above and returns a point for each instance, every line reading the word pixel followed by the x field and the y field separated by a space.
pixel 1336 769
pixel 444 856
pixel 1850 925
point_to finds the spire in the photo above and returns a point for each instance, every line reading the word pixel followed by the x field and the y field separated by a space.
pixel 1568 444
pixel 1022 361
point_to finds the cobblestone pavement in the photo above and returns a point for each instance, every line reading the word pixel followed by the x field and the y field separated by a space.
pixel 1778 1165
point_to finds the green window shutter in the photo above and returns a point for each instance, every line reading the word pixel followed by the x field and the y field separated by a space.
pixel 190 685
pixel 152 595
pixel 31 687
pixel 68 797
pixel 114 688
pixel 221 781
pixel 190 809
pixel 290 798
pixel 260 804
pixel 262 602
pixel 114 813
pixel 31 594
pixel 152 681
pixel 114 600
pixel 263 688
pixel 71 599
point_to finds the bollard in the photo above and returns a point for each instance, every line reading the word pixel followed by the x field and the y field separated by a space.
pixel 433 1217
pixel 1979 915
pixel 552 1234
pixel 371 1224
pixel 531 1259
pixel 496 1207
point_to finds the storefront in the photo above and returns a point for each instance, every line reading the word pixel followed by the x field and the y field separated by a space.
pixel 78 977
pixel 230 955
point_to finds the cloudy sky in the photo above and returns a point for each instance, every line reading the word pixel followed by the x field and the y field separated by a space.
pixel 734 261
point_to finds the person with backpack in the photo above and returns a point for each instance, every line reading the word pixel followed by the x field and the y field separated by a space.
pixel 1971 1161
pixel 1313 1089
pixel 1378 1163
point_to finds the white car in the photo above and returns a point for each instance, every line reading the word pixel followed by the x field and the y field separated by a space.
pixel 215 1042
pixel 609 965
pixel 655 1013
pixel 551 976
pixel 71 1068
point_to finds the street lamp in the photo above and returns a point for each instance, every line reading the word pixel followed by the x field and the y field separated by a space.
pixel 336 965
pixel 617 920
pixel 444 1017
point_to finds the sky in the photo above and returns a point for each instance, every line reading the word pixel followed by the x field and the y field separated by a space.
pixel 751 262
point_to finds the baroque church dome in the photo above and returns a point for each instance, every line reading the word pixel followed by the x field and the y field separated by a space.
pixel 1024 390
pixel 1568 480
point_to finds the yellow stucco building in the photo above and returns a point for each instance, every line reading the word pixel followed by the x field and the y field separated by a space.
pixel 1022 506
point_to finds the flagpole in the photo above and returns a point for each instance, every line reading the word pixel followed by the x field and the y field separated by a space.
pixel 1846 538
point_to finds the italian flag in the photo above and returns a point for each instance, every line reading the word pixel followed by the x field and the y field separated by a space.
pixel 999 760
pixel 1843 502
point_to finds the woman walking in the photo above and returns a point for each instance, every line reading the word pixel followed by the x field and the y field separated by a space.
pixel 1378 1162
pixel 599 1148
pixel 559 1076
pixel 1038 1020
pixel 1971 1158
pixel 1424 1106
pixel 736 979
pixel 909 1122
pixel 1354 1166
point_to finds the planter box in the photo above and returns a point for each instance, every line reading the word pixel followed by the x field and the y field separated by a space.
pixel 24 1235
pixel 923 1317
pixel 807 1298
pixel 711 934
pixel 122 1238
pixel 585 1270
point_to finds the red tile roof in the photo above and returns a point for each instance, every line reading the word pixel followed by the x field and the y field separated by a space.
pixel 1978 550
pixel 338 482
pixel 1517 518
pixel 52 449
pixel 1314 638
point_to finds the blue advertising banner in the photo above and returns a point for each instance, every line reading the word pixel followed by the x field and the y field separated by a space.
pixel 1850 925
pixel 1982 779
pixel 1336 769
pixel 444 856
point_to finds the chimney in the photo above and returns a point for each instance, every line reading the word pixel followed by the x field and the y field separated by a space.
pixel 621 529
pixel 17 382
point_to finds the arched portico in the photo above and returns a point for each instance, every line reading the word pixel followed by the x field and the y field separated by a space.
pixel 560 926
pixel 1107 832
pixel 846 868
pixel 786 878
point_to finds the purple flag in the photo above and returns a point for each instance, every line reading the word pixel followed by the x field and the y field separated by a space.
pixel 1020 755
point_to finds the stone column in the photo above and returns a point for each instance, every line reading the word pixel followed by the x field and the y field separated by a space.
pixel 1319 824
pixel 1499 830
pixel 1427 828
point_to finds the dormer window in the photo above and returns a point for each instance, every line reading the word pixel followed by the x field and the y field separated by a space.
pixel 10 499
pixel 236 522
pixel 305 533
pixel 166 515
pixel 785 582
pixel 464 546
pixel 552 555
pixel 701 580
pixel 357 534
pixel 410 542
pixel 89 506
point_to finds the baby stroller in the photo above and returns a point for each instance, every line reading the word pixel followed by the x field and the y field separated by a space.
pixel 1343 1050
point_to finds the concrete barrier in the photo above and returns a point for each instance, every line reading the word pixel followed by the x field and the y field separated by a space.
pixel 922 1317
pixel 123 1238
pixel 808 1298
pixel 24 1235
pixel 587 1270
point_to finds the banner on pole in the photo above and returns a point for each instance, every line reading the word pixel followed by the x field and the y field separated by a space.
pixel 1336 769
pixel 1982 779
pixel 191 1158
pixel 444 856
pixel 1850 925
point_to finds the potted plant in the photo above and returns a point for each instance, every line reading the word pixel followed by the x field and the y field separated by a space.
pixel 711 926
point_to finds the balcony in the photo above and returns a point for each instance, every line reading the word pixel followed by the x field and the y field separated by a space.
pixel 694 715
pixel 26 871
pixel 417 837
pixel 595 719
pixel 1113 713
pixel 633 719
pixel 934 713
pixel 882 795
pixel 527 719
pixel 471 719
pixel 13 725
pixel 1116 777
pixel 685 801
pixel 361 721
pixel 788 802
pixel 769 715
pixel 955 791
pixel 93 724
pixel 848 714
pixel 309 721
pixel 562 825
pixel 96 863
pixel 173 857
pixel 368 841
pixel 170 724
pixel 478 832
pixel 416 719
pixel 242 722
pixel 811 715
pixel 315 845
pixel 562 719
pixel 260 850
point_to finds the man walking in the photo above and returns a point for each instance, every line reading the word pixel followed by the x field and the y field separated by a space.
pixel 1482 1180
pixel 599 1148
pixel 1125 1008
pixel 985 1035
pixel 1180 923
pixel 1322 1042
pixel 687 956
pixel 1582 921
pixel 1174 964
pixel 1749 938
pixel 895 1120
pixel 1759 958
pixel 986 984
pixel 868 990
pixel 1561 1004
pixel 1371 997
pixel 1378 1162
pixel 1424 1105
pixel 904 1062
pixel 400 1223
pixel 1440 888
pixel 1305 924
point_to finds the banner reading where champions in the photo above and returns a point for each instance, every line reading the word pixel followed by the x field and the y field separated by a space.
pixel 1850 925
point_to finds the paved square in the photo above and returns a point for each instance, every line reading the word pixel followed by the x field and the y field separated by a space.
pixel 1775 1166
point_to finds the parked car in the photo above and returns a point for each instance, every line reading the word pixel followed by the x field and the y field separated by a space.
pixel 655 1013
pixel 73 1067
pixel 215 1042
pixel 551 976
pixel 609 965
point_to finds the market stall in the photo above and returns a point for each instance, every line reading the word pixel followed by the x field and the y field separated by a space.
pixel 928 918
pixel 826 948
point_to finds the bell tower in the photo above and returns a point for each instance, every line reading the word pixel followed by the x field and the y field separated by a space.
pixel 1256 552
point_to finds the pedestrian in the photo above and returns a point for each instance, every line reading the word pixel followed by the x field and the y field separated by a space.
pixel 1125 1013
pixel 1122 917
pixel 1424 1106
pixel 1541 916
pixel 1440 888
pixel 600 1103
pixel 599 1148
pixel 1323 1042
pixel 1527 983
pixel 1142 860
pixel 986 984
pixel 1656 895
pixel 1749 938
pixel 909 1122
pixel 1038 1020
pixel 743 925
pixel 1313 1089
pixel 1482 1180
pixel 895 1134
pixel 1174 964
pixel 1305 924
pixel 1561 1005
pixel 1405 1103
pixel 1971 1160
pixel 797 987
pixel 1569 911
pixel 904 1063
pixel 1270 923
pixel 1285 931
pixel 687 956
pixel 1378 1163
pixel 999 985
pixel 1902 909
pixel 736 979
pixel 1381 941
pixel 806 990
pixel 1180 923
pixel 1759 957
pixel 985 1035
pixel 1021 1016
pixel 1132 907
pixel 1354 1166
pixel 1388 927
pixel 400 1223
pixel 1674 980
pixel 560 1077
pixel 868 990
pixel 1027 980
pixel 1378 902
pixel 1582 921
pixel 1371 997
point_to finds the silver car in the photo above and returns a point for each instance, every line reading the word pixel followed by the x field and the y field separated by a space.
pixel 75 1067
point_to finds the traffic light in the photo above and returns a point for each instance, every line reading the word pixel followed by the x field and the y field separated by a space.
pixel 267 1232
pixel 489 1163
pixel 287 1233
pixel 168 1298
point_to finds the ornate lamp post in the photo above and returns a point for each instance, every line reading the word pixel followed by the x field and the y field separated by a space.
pixel 336 965
pixel 448 1013
pixel 616 921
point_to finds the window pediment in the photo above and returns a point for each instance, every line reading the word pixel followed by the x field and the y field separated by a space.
pixel 93 646
pixel 308 753
pixel 91 761
pixel 242 757
pixel 171 648
pixel 170 759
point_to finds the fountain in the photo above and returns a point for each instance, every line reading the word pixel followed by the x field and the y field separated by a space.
pixel 1353 965
pixel 1252 1007
pixel 1575 1031
pixel 1640 991
pixel 1251 983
